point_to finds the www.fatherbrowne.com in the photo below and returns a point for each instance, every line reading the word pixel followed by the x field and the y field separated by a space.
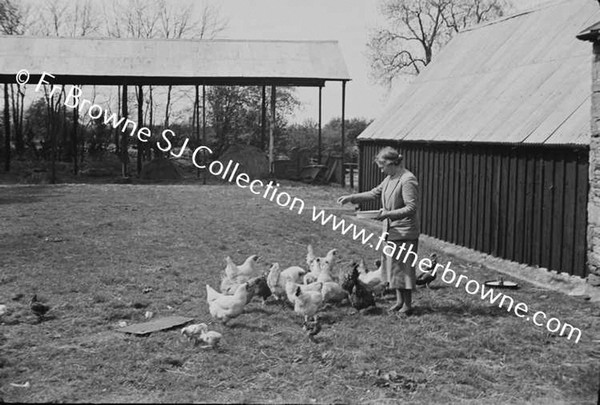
pixel 449 276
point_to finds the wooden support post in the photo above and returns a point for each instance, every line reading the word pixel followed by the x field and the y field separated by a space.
pixel 320 123
pixel 6 130
pixel 63 126
pixel 196 121
pixel 117 140
pixel 124 139
pixel 272 131
pixel 263 121
pixel 204 129
pixel 140 124
pixel 343 179
pixel 53 128
pixel 74 137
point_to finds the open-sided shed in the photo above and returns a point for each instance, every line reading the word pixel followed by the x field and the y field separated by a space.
pixel 497 129
pixel 143 62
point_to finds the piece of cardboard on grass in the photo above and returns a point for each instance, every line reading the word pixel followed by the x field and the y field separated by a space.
pixel 155 325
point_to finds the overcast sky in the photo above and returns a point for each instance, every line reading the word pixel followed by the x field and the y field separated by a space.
pixel 347 21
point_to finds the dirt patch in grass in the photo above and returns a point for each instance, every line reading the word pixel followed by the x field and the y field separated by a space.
pixel 103 254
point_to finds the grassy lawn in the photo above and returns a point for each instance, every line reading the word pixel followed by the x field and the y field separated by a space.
pixel 90 251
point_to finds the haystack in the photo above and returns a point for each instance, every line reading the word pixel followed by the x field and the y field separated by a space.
pixel 160 169
pixel 252 160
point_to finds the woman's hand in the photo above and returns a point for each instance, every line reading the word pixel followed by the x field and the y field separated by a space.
pixel 344 199
pixel 383 214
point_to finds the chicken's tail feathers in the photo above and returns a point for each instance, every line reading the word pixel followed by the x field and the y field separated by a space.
pixel 211 293
pixel 310 255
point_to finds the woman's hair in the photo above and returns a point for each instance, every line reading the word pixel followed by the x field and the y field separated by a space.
pixel 389 154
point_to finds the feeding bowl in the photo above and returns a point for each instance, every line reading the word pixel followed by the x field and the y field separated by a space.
pixel 372 214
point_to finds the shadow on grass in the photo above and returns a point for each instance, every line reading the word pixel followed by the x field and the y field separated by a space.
pixel 433 287
pixel 26 195
pixel 19 200
pixel 247 326
pixel 258 310
pixel 458 310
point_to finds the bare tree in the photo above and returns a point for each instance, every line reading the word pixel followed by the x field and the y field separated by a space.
pixel 51 18
pixel 416 29
pixel 65 19
pixel 12 18
pixel 465 13
pixel 174 23
pixel 179 23
pixel 83 20
pixel 211 22
pixel 17 100
pixel 161 19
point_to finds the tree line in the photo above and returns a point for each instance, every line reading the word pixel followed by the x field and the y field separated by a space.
pixel 43 128
pixel 411 34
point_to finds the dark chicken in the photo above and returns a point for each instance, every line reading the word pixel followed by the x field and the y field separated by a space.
pixel 312 328
pixel 261 288
pixel 426 278
pixel 38 308
pixel 361 296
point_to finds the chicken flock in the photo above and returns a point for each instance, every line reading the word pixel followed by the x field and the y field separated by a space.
pixel 306 290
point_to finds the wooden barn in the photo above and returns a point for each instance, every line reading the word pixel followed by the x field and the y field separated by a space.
pixel 497 129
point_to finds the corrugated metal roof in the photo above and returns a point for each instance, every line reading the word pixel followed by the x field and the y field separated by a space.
pixel 590 33
pixel 522 79
pixel 160 61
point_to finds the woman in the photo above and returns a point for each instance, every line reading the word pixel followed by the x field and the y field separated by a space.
pixel 399 193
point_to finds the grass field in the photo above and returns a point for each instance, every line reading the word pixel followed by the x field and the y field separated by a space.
pixel 91 250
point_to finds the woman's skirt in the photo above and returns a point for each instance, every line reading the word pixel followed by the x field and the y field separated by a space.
pixel 399 269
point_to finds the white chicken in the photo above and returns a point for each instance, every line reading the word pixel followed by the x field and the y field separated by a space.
pixel 229 287
pixel 248 269
pixel 192 332
pixel 277 279
pixel 332 292
pixel 200 332
pixel 307 303
pixel 373 279
pixel 319 266
pixel 314 269
pixel 224 307
pixel 210 337
pixel 290 289
pixel 331 257
pixel 325 274
pixel 235 275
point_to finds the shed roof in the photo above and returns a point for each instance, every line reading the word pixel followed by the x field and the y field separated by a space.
pixel 590 33
pixel 522 79
pixel 173 61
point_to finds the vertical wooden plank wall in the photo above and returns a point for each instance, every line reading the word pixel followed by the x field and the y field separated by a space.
pixel 523 203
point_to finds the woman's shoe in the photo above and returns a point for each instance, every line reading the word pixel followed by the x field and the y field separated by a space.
pixel 397 306
pixel 405 311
